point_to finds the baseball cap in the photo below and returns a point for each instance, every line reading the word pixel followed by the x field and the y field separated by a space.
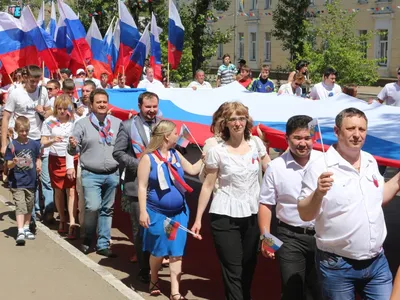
pixel 79 71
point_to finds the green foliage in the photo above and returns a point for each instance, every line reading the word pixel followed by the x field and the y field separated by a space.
pixel 335 44
pixel 289 27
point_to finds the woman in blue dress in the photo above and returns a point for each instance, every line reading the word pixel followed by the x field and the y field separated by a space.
pixel 162 203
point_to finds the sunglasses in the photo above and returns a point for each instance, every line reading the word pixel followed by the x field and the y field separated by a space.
pixel 297 84
pixel 49 89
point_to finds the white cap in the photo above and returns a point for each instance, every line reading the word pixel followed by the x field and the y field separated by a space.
pixel 80 71
pixel 90 67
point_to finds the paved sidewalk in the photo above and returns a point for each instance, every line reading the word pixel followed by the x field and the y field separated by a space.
pixel 42 269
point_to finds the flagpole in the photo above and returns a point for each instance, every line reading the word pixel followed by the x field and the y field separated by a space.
pixel 201 150
pixel 323 146
pixel 168 72
pixel 43 69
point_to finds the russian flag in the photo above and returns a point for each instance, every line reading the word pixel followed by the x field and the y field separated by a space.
pixel 136 61
pixel 40 19
pixel 63 43
pixel 51 27
pixel 155 49
pixel 129 36
pixel 40 38
pixel 99 58
pixel 176 33
pixel 15 51
pixel 115 43
pixel 5 80
pixel 81 53
pixel 107 40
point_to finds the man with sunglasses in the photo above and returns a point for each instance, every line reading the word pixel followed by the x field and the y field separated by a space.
pixel 53 90
pixel 90 76
pixel 327 88
pixel 390 94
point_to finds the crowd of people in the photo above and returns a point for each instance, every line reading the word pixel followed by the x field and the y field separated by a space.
pixel 69 154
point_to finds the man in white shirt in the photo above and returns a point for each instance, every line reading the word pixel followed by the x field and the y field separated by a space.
pixel 199 83
pixel 90 74
pixel 390 94
pixel 281 186
pixel 150 82
pixel 121 82
pixel 327 88
pixel 53 89
pixel 344 193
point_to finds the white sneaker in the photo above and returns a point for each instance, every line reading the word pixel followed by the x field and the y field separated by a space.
pixel 20 239
pixel 29 235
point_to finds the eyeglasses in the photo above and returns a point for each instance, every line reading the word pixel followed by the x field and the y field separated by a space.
pixel 240 119
pixel 50 89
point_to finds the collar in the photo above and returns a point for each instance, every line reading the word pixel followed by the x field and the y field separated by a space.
pixel 334 158
pixel 154 121
pixel 289 159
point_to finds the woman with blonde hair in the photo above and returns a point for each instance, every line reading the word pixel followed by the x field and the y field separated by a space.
pixel 237 164
pixel 161 192
pixel 55 133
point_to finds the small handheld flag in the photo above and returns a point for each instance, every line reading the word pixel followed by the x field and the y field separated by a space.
pixel 315 132
pixel 184 135
pixel 271 243
pixel 11 146
pixel 171 227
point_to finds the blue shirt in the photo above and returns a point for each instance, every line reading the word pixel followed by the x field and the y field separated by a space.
pixel 258 86
pixel 23 175
pixel 169 201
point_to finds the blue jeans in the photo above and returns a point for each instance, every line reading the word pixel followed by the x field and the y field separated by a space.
pixel 99 192
pixel 341 277
pixel 47 190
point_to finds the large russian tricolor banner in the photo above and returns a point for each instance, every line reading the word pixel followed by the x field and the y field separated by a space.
pixel 272 112
pixel 176 33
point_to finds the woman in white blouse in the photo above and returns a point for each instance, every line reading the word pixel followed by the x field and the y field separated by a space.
pixel 55 133
pixel 236 163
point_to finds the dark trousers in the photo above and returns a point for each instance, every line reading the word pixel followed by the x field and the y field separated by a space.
pixel 236 241
pixel 297 262
pixel 137 231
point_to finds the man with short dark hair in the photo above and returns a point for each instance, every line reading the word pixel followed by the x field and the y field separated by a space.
pixel 94 138
pixel 281 186
pixel 53 89
pixel 104 81
pixel 133 136
pixel 327 88
pixel 344 192
pixel 121 82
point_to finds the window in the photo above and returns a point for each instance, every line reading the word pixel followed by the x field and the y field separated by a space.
pixel 241 44
pixel 267 4
pixel 362 1
pixel 312 2
pixel 267 47
pixel 253 46
pixel 253 4
pixel 383 46
pixel 220 51
pixel 363 42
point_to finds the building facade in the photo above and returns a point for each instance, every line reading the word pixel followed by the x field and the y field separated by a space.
pixel 254 42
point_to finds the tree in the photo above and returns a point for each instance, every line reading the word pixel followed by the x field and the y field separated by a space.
pixel 289 25
pixel 334 43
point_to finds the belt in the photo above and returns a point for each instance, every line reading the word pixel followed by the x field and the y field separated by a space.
pixel 101 173
pixel 301 230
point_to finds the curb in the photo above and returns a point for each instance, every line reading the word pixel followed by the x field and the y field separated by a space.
pixel 102 272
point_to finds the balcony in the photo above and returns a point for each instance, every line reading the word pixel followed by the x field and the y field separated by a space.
pixel 253 16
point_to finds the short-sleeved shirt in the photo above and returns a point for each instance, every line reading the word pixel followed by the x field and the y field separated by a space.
pixel 281 186
pixel 147 84
pixel 288 90
pixel 22 103
pixel 52 128
pixel 239 188
pixel 322 91
pixel 390 94
pixel 351 221
pixel 227 74
pixel 23 175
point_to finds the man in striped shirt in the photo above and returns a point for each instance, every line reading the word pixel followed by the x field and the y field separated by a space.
pixel 226 72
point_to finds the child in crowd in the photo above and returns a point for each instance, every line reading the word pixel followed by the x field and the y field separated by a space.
pixel 68 88
pixel 262 84
pixel 23 160
pixel 244 78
